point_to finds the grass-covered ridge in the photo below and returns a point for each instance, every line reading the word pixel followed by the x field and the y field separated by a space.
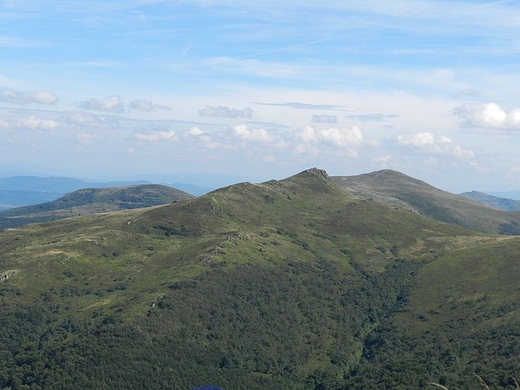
pixel 283 285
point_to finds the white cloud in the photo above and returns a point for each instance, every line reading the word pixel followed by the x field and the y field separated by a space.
pixel 157 136
pixel 435 144
pixel 346 137
pixel 34 123
pixel 143 105
pixel 29 123
pixel 226 112
pixel 490 116
pixel 147 105
pixel 195 131
pixel 112 104
pixel 84 118
pixel 255 135
pixel 37 97
pixel 324 119
pixel 342 137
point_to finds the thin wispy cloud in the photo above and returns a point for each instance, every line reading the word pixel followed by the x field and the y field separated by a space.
pixel 226 112
pixel 304 106
pixel 29 123
pixel 371 117
pixel 324 118
pixel 112 104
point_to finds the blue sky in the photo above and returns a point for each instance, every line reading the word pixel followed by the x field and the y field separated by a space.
pixel 260 90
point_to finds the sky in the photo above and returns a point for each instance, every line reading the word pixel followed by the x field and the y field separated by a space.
pixel 218 91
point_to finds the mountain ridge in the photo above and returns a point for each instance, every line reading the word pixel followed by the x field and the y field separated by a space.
pixel 397 189
pixel 291 283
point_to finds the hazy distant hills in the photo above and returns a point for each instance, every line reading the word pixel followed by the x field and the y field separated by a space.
pixel 493 201
pixel 92 200
pixel 289 284
pixel 399 190
pixel 21 191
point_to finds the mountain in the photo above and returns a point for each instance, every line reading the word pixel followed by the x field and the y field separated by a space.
pixel 515 195
pixel 192 189
pixel 92 200
pixel 290 284
pixel 20 191
pixel 399 190
pixel 493 201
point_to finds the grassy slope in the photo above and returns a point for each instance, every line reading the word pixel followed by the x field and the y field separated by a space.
pixel 92 200
pixel 396 189
pixel 276 285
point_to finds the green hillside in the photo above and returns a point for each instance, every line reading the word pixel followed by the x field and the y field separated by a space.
pixel 290 284
pixel 92 200
pixel 396 189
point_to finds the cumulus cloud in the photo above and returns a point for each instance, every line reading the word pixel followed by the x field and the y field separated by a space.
pixel 157 136
pixel 147 105
pixel 347 137
pixel 435 144
pixel 29 123
pixel 490 116
pixel 112 104
pixel 259 135
pixel 37 97
pixel 324 119
pixel 226 112
pixel 195 131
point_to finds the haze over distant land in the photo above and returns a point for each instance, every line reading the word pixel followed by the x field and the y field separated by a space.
pixel 117 90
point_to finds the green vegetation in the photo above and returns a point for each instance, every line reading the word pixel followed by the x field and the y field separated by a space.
pixel 290 284
pixel 92 200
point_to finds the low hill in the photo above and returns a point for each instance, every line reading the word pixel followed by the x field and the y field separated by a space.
pixel 92 200
pixel 493 201
pixel 290 284
pixel 19 191
pixel 399 190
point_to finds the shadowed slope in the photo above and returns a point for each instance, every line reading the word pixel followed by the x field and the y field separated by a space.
pixel 493 201
pixel 394 188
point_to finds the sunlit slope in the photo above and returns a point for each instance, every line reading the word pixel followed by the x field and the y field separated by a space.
pixel 276 285
pixel 396 189
pixel 92 200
